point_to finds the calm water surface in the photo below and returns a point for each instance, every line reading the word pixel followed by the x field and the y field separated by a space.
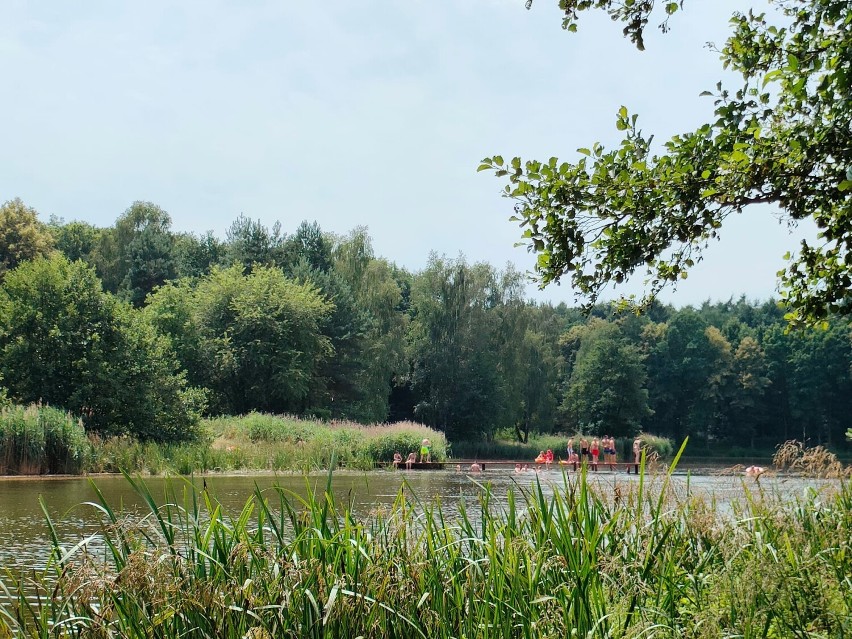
pixel 24 541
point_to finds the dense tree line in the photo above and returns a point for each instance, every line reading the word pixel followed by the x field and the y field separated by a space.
pixel 142 330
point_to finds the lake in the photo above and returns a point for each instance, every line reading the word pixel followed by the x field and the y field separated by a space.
pixel 24 541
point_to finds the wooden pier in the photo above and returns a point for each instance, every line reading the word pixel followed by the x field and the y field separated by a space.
pixel 509 464
pixel 628 467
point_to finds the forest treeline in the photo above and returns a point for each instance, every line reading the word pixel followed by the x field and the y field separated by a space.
pixel 138 329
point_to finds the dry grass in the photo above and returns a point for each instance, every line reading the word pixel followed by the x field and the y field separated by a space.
pixel 793 456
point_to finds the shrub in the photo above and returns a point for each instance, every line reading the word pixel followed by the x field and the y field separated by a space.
pixel 663 446
pixel 403 437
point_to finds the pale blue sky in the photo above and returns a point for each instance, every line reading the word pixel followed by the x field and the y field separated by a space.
pixel 368 113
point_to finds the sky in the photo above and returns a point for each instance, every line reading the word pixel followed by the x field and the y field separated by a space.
pixel 351 114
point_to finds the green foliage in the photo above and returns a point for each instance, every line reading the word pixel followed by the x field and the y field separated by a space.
pixel 503 447
pixel 467 326
pixel 404 438
pixel 197 255
pixel 75 240
pixel 65 342
pixel 336 393
pixel 128 454
pixel 37 440
pixel 662 446
pixel 22 236
pixel 310 245
pixel 253 340
pixel 250 243
pixel 285 443
pixel 782 139
pixel 379 297
pixel 137 255
pixel 606 390
pixel 317 325
pixel 536 565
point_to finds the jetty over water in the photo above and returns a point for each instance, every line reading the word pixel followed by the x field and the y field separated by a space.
pixel 509 464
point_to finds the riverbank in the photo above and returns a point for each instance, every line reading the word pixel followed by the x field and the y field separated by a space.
pixel 43 441
pixel 40 440
pixel 541 561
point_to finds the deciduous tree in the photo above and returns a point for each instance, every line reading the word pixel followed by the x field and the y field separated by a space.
pixel 22 236
pixel 781 137
pixel 606 391
pixel 65 342
pixel 255 341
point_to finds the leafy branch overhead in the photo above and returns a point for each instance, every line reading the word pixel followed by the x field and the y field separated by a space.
pixel 782 137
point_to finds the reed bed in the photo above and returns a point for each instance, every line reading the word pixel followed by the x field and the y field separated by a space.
pixel 276 442
pixel 646 563
pixel 39 439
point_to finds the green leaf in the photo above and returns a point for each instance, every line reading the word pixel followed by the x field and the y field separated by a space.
pixel 845 185
pixel 772 75
pixel 584 151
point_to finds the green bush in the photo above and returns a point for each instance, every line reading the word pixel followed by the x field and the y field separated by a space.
pixel 663 446
pixel 36 440
pixel 406 437
pixel 288 443
pixel 255 441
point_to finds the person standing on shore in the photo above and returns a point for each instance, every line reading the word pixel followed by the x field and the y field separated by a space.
pixel 637 453
pixel 584 449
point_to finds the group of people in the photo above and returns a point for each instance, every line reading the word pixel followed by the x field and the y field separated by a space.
pixel 593 451
pixel 425 456
pixel 589 451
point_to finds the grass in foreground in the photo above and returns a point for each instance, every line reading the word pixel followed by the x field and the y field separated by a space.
pixel 647 563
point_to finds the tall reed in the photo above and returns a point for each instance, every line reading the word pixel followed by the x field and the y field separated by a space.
pixel 40 439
